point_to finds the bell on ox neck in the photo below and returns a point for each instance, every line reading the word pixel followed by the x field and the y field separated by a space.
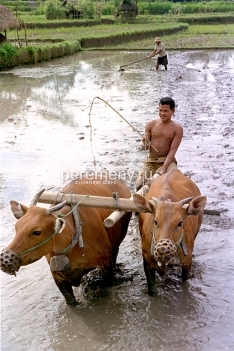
pixel 60 263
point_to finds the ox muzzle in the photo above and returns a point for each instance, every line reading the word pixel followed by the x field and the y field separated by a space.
pixel 9 262
pixel 164 252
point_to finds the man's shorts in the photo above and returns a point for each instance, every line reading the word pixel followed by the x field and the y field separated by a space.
pixel 153 163
pixel 162 60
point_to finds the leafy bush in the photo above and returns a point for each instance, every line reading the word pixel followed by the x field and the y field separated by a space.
pixel 7 51
pixel 108 9
pixel 52 11
pixel 31 49
pixel 89 10
pixel 159 8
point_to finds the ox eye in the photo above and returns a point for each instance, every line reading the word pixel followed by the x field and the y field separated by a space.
pixel 155 222
pixel 37 232
pixel 180 224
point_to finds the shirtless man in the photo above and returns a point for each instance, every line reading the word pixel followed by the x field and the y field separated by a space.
pixel 162 138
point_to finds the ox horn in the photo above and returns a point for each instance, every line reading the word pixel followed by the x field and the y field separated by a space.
pixel 186 200
pixel 56 207
pixel 36 197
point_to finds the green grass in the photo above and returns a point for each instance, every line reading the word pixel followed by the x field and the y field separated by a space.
pixel 75 33
pixel 197 36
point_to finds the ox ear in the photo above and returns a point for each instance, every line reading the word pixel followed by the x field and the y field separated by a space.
pixel 196 206
pixel 17 209
pixel 59 225
pixel 142 204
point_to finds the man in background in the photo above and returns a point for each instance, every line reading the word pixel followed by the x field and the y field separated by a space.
pixel 160 51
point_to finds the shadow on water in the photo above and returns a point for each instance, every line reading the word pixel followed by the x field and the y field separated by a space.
pixel 45 137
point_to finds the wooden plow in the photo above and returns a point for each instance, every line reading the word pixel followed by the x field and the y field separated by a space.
pixel 119 205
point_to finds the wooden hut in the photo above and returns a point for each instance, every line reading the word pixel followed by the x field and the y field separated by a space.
pixel 7 21
pixel 127 9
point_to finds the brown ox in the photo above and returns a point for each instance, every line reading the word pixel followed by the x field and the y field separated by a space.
pixel 43 232
pixel 170 218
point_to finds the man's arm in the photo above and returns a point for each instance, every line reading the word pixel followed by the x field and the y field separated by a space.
pixel 155 52
pixel 145 143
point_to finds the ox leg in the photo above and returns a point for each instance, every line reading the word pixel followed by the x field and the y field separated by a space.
pixel 150 277
pixel 108 275
pixel 67 291
pixel 185 272
pixel 114 257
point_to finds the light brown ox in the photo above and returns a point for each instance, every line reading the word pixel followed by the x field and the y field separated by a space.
pixel 36 225
pixel 170 218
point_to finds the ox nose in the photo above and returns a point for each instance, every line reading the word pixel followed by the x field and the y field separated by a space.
pixel 165 251
pixel 9 261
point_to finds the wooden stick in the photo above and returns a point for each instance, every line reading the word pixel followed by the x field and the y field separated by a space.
pixel 212 212
pixel 131 63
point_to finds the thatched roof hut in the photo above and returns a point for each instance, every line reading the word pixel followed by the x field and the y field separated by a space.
pixel 7 19
pixel 128 9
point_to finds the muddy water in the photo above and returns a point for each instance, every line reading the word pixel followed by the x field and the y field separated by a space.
pixel 45 141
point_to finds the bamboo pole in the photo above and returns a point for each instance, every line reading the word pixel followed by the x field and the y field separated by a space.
pixel 113 218
pixel 90 201
pixel 131 63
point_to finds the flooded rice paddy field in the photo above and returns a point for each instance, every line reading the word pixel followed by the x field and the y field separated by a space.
pixel 45 140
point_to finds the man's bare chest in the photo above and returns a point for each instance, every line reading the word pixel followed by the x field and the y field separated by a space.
pixel 162 132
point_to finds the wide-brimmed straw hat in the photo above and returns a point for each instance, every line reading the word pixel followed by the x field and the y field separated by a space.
pixel 157 39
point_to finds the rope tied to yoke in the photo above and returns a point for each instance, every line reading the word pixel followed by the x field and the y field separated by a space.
pixel 60 215
pixel 116 197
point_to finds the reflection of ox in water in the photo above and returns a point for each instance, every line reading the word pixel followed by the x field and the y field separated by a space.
pixel 170 218
pixel 45 232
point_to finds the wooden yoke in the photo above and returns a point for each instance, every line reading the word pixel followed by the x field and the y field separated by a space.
pixel 104 202
pixel 97 201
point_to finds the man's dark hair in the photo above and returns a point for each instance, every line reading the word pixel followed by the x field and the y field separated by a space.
pixel 167 101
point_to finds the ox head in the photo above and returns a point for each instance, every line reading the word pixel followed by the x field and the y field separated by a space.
pixel 168 223
pixel 35 230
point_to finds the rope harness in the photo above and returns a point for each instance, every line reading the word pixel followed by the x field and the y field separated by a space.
pixel 60 262
pixel 116 197
pixel 74 240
